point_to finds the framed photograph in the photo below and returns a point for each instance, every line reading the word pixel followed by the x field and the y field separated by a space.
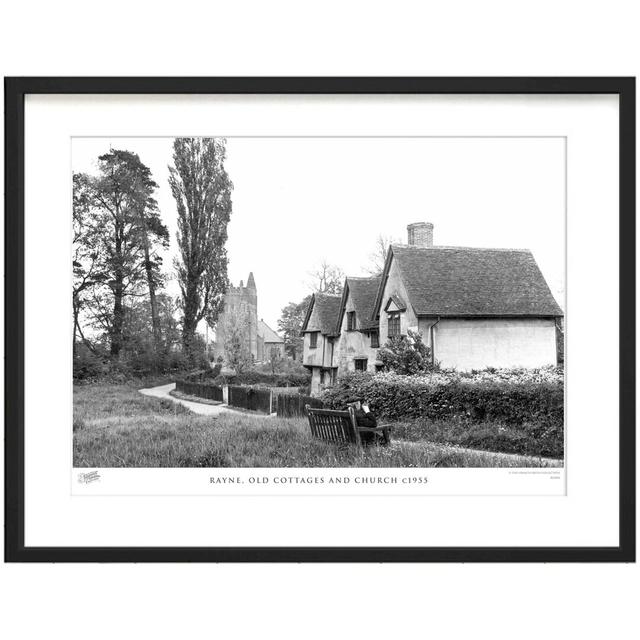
pixel 320 319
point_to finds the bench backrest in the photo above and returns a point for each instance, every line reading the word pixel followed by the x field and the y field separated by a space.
pixel 335 426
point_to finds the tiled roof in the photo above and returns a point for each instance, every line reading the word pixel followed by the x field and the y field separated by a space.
pixel 363 295
pixel 327 308
pixel 463 281
pixel 267 333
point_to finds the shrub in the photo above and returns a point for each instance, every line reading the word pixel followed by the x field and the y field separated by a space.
pixel 88 365
pixel 514 397
pixel 253 377
pixel 406 355
pixel 204 375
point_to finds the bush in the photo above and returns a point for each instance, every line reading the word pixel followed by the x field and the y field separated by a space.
pixel 406 355
pixel 513 397
pixel 285 365
pixel 88 366
pixel 251 377
pixel 207 374
pixel 254 377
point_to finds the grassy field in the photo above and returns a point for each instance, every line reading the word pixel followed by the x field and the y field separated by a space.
pixel 115 426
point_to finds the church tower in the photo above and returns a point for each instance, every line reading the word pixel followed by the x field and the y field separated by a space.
pixel 241 299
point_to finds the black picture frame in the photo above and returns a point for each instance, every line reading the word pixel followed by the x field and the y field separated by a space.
pixel 15 91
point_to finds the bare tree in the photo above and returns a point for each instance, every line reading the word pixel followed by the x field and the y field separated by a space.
pixel 378 256
pixel 326 278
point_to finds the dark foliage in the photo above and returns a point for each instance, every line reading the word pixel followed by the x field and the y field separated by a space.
pixel 266 379
pixel 483 397
pixel 406 355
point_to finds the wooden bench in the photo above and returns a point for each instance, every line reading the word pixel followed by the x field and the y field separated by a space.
pixel 341 426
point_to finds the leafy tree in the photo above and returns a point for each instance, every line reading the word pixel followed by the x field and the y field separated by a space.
pixel 150 226
pixel 327 278
pixel 139 332
pixel 202 191
pixel 86 270
pixel 236 340
pixel 126 233
pixel 406 355
pixel 290 325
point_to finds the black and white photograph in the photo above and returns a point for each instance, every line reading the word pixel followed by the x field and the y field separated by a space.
pixel 388 324
pixel 320 320
pixel 318 302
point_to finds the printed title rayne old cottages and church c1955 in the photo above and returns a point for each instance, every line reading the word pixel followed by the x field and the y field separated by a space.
pixel 474 308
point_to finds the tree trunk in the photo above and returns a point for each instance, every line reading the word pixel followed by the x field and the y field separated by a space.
pixel 148 267
pixel 76 310
pixel 190 323
pixel 155 318
pixel 118 318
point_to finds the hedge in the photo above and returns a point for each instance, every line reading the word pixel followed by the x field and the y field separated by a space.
pixel 253 377
pixel 513 397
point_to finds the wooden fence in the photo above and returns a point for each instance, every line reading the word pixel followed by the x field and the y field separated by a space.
pixel 292 406
pixel 252 398
pixel 208 391
pixel 285 403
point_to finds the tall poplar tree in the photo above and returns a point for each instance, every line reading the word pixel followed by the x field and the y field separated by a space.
pixel 202 191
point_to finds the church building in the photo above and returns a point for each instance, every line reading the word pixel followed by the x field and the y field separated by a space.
pixel 241 305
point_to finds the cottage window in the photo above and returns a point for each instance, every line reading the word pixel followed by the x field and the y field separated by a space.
pixel 361 364
pixel 351 320
pixel 394 324
pixel 313 340
pixel 375 340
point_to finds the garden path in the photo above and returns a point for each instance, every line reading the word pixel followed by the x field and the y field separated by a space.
pixel 163 391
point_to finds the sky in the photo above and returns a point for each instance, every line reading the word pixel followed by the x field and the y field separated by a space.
pixel 298 201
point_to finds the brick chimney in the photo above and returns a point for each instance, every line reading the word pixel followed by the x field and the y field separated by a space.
pixel 420 234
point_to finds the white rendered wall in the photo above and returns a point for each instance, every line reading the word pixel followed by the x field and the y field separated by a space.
pixel 476 344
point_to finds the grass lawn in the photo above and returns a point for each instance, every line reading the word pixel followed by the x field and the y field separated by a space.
pixel 115 426
pixel 527 440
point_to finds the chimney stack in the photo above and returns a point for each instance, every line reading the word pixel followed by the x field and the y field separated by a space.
pixel 420 234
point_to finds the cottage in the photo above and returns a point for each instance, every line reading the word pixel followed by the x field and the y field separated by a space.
pixel 475 308
pixel 357 346
pixel 319 331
